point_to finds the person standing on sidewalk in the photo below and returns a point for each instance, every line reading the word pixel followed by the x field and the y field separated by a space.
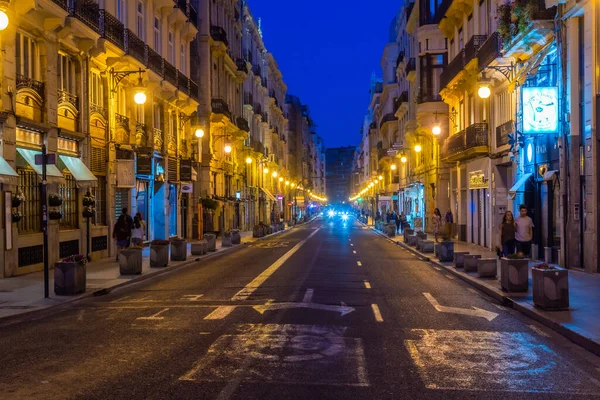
pixel 448 221
pixel 437 223
pixel 122 231
pixel 507 234
pixel 138 232
pixel 524 231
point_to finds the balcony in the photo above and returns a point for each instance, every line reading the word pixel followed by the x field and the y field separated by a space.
pixel 99 110
pixel 411 69
pixel 400 59
pixel 141 135
pixel 242 65
pixel 220 106
pixel 525 30
pixel 427 97
pixel 388 118
pixel 158 139
pixel 122 124
pixel 248 98
pixel 256 70
pixel 87 11
pixel 155 62
pixel 218 34
pixel 68 98
pixel 194 90
pixel 401 104
pixel 172 141
pixel 24 82
pixel 489 51
pixel 452 69
pixel 170 72
pixel 242 123
pixel 135 47
pixel 187 9
pixel 467 144
pixel 112 29
pixel 472 47
pixel 183 83
pixel 258 147
pixel 62 3
pixel 265 83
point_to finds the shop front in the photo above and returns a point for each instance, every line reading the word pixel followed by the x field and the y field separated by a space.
pixel 478 198
pixel 413 205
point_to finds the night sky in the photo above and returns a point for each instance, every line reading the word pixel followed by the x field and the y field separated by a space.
pixel 327 51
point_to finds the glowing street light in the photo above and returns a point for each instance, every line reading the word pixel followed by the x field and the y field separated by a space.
pixel 393 167
pixel 274 174
pixel 484 90
pixel 403 159
pixel 248 160
pixel 266 170
pixel 199 132
pixel 227 148
pixel 418 148
pixel 436 130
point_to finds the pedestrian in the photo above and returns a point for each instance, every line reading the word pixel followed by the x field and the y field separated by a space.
pixel 437 223
pixel 122 231
pixel 397 221
pixel 138 232
pixel 378 216
pixel 388 216
pixel 448 220
pixel 524 231
pixel 142 222
pixel 507 234
pixel 403 221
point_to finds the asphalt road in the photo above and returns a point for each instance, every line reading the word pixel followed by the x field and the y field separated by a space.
pixel 324 311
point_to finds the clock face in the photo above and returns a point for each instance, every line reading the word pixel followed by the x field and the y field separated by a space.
pixel 540 110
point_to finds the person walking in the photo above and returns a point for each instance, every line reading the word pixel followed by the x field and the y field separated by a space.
pixel 437 223
pixel 403 221
pixel 142 222
pixel 397 221
pixel 138 232
pixel 508 229
pixel 122 231
pixel 448 221
pixel 524 231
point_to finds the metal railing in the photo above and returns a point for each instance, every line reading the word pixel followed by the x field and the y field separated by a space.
pixel 172 141
pixel 453 68
pixel 26 82
pixel 388 118
pixel 242 123
pixel 87 11
pixel 220 106
pixel 135 47
pixel 112 29
pixel 248 98
pixel 155 61
pixel 472 47
pixel 411 66
pixel 454 144
pixel 94 108
pixel 427 97
pixel 158 139
pixel 170 72
pixel 141 135
pixel 241 65
pixel 62 3
pixel 66 97
pixel 194 90
pixel 218 34
pixel 400 58
pixel 489 50
pixel 182 83
pixel 476 135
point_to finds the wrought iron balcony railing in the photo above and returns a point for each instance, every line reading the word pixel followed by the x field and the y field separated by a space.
pixel 242 123
pixel 476 135
pixel 62 3
pixel 388 118
pixel 155 61
pixel 183 83
pixel 472 47
pixel 87 11
pixel 135 47
pixel 66 97
pixel 141 135
pixel 248 98
pixel 24 82
pixel 256 70
pixel 170 72
pixel 194 91
pixel 411 65
pixel 112 29
pixel 99 110
pixel 427 97
pixel 220 106
pixel 218 34
pixel 158 139
pixel 489 50
pixel 400 58
pixel 122 121
pixel 242 65
pixel 454 144
pixel 452 69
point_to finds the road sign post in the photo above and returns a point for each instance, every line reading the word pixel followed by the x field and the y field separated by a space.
pixel 43 160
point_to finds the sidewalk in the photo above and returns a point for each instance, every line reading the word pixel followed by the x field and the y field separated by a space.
pixel 25 293
pixel 580 323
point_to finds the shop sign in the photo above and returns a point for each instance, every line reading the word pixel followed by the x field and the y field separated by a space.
pixel 385 198
pixel 477 180
pixel 185 170
pixel 540 110
pixel 125 174
pixel 187 188
pixel 144 165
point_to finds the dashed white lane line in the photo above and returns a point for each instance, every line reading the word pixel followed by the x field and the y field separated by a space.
pixel 376 313
pixel 354 251
pixel 538 331
pixel 359 263
pixel 472 290
pixel 351 244
pixel 437 268
pixel 449 277
pixel 260 279
pixel 499 307
pixel 367 284
pixel 220 313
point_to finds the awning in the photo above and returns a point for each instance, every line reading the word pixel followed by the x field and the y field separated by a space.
pixel 83 176
pixel 269 194
pixel 53 175
pixel 518 185
pixel 548 175
pixel 7 174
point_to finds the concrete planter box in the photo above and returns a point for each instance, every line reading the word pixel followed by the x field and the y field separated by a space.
pixel 427 246
pixel 69 278
pixel 235 236
pixel 282 226
pixel 487 268
pixel 275 228
pixel 226 241
pixel 514 274
pixel 407 232
pixel 412 240
pixel 159 255
pixel 378 225
pixel 130 262
pixel 459 258
pixel 390 230
pixel 211 242
pixel 178 250
pixel 198 249
pixel 258 232
pixel 550 288
pixel 445 251
pixel 470 264
pixel 268 230
pixel 422 235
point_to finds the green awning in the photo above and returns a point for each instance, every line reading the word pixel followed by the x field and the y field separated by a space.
pixel 83 176
pixel 7 174
pixel 53 175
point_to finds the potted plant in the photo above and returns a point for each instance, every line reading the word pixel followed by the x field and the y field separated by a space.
pixel 55 200
pixel 89 200
pixel 235 236
pixel 178 249
pixel 88 212
pixel 211 240
pixel 69 275
pixel 226 239
pixel 17 199
pixel 514 273
pixel 159 253
pixel 130 261
pixel 55 214
pixel 17 216
pixel 550 287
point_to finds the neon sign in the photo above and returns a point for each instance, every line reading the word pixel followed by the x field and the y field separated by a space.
pixel 540 110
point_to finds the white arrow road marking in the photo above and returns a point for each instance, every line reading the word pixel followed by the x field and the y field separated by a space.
pixel 359 263
pixel 221 312
pixel 191 297
pixel 155 316
pixel 308 296
pixel 476 312
pixel 354 251
pixel 343 309
pixel 260 279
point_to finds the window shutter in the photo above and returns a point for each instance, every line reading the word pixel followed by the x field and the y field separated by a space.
pixel 98 160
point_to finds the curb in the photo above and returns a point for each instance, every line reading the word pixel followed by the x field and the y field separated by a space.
pixel 506 300
pixel 11 319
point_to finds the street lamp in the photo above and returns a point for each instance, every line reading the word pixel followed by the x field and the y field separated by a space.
pixel 436 130
pixel 117 76
pixel 280 179
pixel 287 183
pixel 484 91
pixel 403 159
pixel 227 148
pixel 418 148
pixel 199 132
pixel 248 160
pixel 393 167
pixel 3 16
pixel 274 174
pixel 266 170
pixel 380 177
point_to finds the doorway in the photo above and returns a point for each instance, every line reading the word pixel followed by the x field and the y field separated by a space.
pixel 158 203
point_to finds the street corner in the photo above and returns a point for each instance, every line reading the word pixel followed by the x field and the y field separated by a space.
pixel 284 353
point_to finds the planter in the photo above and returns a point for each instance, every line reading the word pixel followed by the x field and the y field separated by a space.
pixel 211 242
pixel 54 201
pixel 178 250
pixel 236 238
pixel 55 215
pixel 446 251
pixel 268 230
pixel 16 202
pixel 69 278
pixel 487 267
pixel 408 232
pixel 198 249
pixel 256 232
pixel 130 262
pixel 470 264
pixel 550 288
pixel 514 274
pixel 459 258
pixel 427 246
pixel 390 230
pixel 159 255
pixel 412 240
pixel 226 241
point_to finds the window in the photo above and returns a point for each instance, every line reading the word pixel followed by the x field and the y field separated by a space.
pixel 139 113
pixel 157 44
pixel 26 56
pixel 121 8
pixel 157 115
pixel 140 20
pixel 100 194
pixel 30 208
pixel 66 73
pixel 68 191
pixel 171 48
pixel 182 66
pixel 121 100
pixel 96 89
